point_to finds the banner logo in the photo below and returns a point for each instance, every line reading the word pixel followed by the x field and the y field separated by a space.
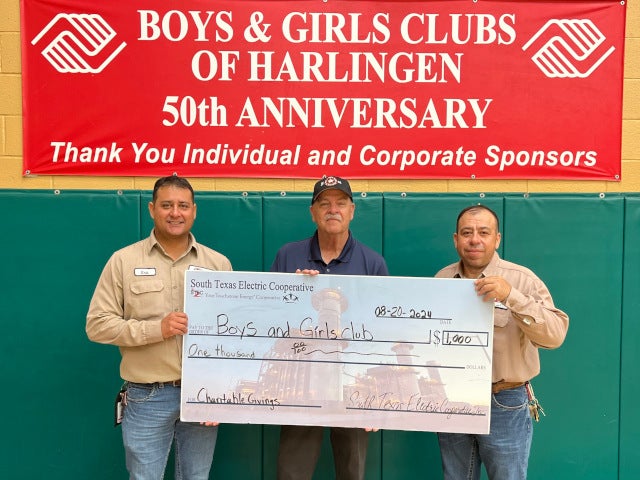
pixel 570 48
pixel 80 42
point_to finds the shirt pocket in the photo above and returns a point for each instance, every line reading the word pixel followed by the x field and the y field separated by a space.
pixel 145 300
pixel 501 317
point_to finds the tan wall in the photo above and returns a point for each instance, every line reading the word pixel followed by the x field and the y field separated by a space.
pixel 11 138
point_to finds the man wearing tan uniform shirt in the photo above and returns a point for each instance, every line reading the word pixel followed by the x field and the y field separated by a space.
pixel 138 305
pixel 525 319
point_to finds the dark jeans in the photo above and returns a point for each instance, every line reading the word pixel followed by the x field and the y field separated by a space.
pixel 300 449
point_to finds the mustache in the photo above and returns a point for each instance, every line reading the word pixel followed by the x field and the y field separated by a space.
pixel 333 216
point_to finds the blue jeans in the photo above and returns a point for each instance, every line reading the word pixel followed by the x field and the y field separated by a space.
pixel 151 423
pixel 504 451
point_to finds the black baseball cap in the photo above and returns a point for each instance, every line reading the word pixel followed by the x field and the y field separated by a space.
pixel 331 183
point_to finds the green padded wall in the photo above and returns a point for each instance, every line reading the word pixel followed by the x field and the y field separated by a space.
pixel 629 420
pixel 575 243
pixel 586 247
pixel 59 402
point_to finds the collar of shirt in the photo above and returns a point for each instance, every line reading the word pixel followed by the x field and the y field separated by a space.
pixel 489 270
pixel 153 241
pixel 316 256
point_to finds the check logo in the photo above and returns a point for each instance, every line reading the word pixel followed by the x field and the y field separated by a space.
pixel 79 43
pixel 569 48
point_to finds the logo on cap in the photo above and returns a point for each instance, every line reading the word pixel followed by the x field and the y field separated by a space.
pixel 330 181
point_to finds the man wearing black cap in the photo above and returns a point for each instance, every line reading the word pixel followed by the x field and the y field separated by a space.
pixel 332 249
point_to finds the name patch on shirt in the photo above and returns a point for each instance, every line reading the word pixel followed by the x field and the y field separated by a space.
pixel 144 272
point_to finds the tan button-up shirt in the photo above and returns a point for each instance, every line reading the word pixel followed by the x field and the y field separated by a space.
pixel 526 321
pixel 139 286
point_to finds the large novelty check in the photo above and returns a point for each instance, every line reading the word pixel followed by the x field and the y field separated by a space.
pixel 336 350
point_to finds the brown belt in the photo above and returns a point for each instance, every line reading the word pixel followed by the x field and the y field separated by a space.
pixel 500 386
pixel 173 383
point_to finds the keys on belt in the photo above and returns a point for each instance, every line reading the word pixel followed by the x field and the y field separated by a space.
pixel 534 405
pixel 535 409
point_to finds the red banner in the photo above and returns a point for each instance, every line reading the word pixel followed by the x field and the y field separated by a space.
pixel 361 89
